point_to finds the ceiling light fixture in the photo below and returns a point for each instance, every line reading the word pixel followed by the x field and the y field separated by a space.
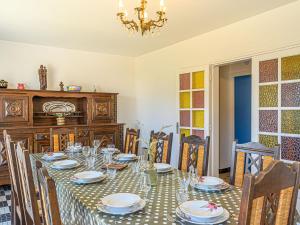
pixel 144 24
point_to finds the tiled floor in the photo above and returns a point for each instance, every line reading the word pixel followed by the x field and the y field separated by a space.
pixel 5 204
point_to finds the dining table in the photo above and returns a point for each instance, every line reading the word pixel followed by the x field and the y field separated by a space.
pixel 78 203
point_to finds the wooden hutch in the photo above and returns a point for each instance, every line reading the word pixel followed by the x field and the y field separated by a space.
pixel 22 115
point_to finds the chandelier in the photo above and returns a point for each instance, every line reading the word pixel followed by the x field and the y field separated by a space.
pixel 144 24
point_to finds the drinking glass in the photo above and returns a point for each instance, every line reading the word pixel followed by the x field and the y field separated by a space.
pixel 136 167
pixel 145 185
pixel 96 145
pixel 91 162
pixel 185 182
pixel 111 172
pixel 181 196
pixel 86 153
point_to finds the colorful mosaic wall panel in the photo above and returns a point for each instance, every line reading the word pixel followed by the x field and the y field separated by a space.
pixel 198 99
pixel 199 133
pixel 290 121
pixel 268 140
pixel 290 95
pixel 268 71
pixel 198 80
pixel 290 148
pixel 290 68
pixel 268 96
pixel 268 121
pixel 184 81
pixel 185 120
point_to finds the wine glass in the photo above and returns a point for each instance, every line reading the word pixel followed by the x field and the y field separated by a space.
pixel 86 153
pixel 96 145
pixel 185 182
pixel 145 185
pixel 181 196
pixel 111 172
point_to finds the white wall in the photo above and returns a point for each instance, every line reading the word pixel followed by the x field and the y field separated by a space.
pixel 109 73
pixel 156 72
pixel 226 79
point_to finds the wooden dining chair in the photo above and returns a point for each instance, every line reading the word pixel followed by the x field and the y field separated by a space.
pixel 162 146
pixel 48 196
pixel 131 141
pixel 270 198
pixel 60 137
pixel 194 152
pixel 17 209
pixel 32 213
pixel 251 158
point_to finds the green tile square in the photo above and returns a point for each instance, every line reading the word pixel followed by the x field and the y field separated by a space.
pixel 268 140
pixel 268 95
pixel 290 121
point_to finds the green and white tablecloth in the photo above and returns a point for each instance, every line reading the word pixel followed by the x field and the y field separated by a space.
pixel 78 202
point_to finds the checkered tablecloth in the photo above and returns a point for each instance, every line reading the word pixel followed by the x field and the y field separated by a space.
pixel 78 203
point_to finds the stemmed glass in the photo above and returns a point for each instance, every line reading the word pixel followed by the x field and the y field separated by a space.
pixel 181 196
pixel 86 153
pixel 96 145
pixel 145 185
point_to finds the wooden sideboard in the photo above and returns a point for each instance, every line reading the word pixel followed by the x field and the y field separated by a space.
pixel 22 115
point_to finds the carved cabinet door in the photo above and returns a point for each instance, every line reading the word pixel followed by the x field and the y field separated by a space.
pixel 103 109
pixel 14 109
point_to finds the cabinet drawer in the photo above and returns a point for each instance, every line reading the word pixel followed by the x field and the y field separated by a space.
pixel 103 109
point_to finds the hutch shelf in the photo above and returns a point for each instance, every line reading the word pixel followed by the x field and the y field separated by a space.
pixel 23 115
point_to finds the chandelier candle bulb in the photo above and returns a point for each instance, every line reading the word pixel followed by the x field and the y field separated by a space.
pixel 121 6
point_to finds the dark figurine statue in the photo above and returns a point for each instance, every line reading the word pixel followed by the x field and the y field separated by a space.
pixel 43 77
pixel 61 85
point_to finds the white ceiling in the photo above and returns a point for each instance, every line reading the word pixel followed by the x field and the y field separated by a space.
pixel 92 25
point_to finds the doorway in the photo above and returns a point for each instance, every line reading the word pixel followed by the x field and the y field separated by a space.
pixel 234 110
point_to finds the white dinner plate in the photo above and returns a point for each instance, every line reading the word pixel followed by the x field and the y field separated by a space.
pixel 162 166
pixel 125 157
pixel 119 211
pixel 121 200
pixel 218 220
pixel 221 187
pixel 198 209
pixel 65 164
pixel 210 181
pixel 54 156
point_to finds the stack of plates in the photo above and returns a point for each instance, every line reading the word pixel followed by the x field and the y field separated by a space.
pixel 126 157
pixel 110 150
pixel 74 149
pixel 65 164
pixel 207 183
pixel 88 177
pixel 52 156
pixel 199 212
pixel 121 204
pixel 163 167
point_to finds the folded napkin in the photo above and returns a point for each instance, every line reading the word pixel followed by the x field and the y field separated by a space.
pixel 116 166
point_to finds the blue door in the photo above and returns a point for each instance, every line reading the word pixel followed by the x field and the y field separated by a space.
pixel 242 108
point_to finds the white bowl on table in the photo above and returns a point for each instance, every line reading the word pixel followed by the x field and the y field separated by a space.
pixel 52 156
pixel 126 157
pixel 88 177
pixel 65 164
pixel 163 167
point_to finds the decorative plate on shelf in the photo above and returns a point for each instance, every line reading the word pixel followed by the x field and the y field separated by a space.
pixel 58 107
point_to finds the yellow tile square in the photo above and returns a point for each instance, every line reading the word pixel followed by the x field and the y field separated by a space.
pixel 185 100
pixel 186 132
pixel 198 80
pixel 198 118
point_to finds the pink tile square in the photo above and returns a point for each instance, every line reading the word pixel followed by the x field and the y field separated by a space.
pixel 198 99
pixel 185 81
pixel 185 118
pixel 199 133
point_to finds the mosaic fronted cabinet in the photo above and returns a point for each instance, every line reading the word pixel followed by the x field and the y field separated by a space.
pixel 194 102
pixel 278 95
pixel 24 115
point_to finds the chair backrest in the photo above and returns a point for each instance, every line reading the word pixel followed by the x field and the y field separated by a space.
pixel 59 138
pixel 14 175
pixel 162 145
pixel 194 152
pixel 131 141
pixel 251 158
pixel 48 197
pixel 270 198
pixel 27 184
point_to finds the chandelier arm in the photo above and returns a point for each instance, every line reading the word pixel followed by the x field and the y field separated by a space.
pixel 129 24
